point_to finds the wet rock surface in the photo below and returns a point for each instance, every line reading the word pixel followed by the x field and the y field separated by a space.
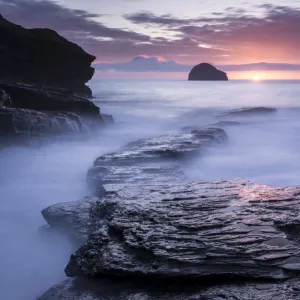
pixel 82 289
pixel 153 160
pixel 207 72
pixel 170 238
pixel 192 230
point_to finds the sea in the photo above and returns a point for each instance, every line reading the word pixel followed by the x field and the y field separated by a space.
pixel 263 149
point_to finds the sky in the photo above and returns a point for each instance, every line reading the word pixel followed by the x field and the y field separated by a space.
pixel 170 36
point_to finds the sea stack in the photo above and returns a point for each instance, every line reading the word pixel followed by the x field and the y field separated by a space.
pixel 207 72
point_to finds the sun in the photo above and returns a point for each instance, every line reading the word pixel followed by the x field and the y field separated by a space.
pixel 256 78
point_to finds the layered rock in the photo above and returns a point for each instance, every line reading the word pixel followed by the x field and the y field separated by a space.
pixel 207 72
pixel 42 86
pixel 29 113
pixel 81 289
pixel 150 222
pixel 192 230
pixel 41 56
pixel 150 161
pixel 40 98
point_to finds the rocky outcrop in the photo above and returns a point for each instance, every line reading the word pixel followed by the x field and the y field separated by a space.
pixel 82 289
pixel 224 230
pixel 42 86
pixel 247 112
pixel 40 98
pixel 192 230
pixel 152 160
pixel 207 72
pixel 41 56
pixel 29 113
pixel 150 229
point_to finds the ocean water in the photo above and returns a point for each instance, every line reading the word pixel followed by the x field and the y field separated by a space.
pixel 263 149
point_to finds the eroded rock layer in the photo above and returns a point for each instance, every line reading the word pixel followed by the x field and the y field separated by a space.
pixel 224 228
pixel 153 160
pixel 81 289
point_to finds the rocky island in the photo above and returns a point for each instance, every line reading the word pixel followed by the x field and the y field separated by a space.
pixel 207 72
pixel 42 85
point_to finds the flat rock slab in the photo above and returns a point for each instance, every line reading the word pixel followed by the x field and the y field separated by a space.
pixel 152 160
pixel 82 289
pixel 188 230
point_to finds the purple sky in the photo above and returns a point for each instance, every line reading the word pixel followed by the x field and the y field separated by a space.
pixel 187 32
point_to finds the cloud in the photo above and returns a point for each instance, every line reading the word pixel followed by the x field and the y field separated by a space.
pixel 76 25
pixel 224 38
pixel 245 37
pixel 144 63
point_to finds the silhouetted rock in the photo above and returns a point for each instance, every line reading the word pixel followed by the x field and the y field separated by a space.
pixel 42 85
pixel 40 98
pixel 100 289
pixel 207 72
pixel 248 112
pixel 33 112
pixel 41 56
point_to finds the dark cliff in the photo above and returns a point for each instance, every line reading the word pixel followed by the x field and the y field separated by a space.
pixel 42 56
pixel 207 72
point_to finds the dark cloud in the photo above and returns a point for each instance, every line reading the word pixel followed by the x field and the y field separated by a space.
pixel 232 36
pixel 76 25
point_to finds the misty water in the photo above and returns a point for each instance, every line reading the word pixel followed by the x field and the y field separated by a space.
pixel 264 150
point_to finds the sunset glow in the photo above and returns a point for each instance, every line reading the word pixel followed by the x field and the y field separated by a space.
pixel 225 33
pixel 256 78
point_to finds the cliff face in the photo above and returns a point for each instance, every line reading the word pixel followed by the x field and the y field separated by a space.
pixel 207 72
pixel 42 86
pixel 41 56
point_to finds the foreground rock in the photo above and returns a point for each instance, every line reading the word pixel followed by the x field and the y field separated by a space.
pixel 207 72
pixel 152 161
pixel 152 229
pixel 187 230
pixel 41 56
pixel 82 289
pixel 192 230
